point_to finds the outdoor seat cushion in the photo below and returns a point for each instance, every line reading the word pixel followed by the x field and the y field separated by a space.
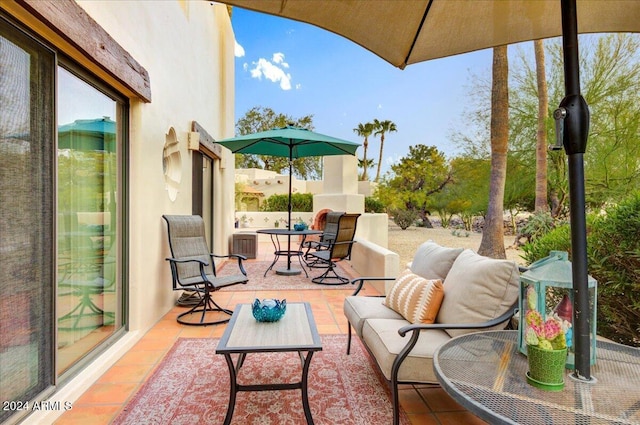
pixel 478 289
pixel 357 309
pixel 323 255
pixel 433 261
pixel 218 282
pixel 382 338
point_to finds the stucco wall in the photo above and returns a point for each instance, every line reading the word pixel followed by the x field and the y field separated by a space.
pixel 187 48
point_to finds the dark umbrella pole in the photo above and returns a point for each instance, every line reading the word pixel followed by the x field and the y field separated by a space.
pixel 576 132
pixel 289 271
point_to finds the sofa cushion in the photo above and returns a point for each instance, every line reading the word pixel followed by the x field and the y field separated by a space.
pixel 478 289
pixel 382 338
pixel 357 309
pixel 433 261
pixel 417 299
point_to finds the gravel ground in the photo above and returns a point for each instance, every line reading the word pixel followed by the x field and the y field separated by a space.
pixel 405 242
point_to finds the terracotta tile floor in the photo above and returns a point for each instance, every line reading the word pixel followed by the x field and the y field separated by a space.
pixel 104 400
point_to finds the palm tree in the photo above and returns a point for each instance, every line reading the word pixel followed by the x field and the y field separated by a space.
pixel 381 128
pixel 541 205
pixel 365 164
pixel 492 244
pixel 364 130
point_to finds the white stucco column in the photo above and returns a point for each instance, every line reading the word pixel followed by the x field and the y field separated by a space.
pixel 340 191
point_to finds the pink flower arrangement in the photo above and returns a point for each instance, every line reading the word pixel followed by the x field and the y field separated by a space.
pixel 549 334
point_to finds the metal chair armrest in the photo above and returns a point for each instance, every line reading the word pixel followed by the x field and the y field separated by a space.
pixel 483 325
pixel 415 333
pixel 239 257
pixel 361 281
pixel 180 260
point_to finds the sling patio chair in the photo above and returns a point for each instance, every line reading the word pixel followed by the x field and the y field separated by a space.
pixel 328 236
pixel 339 249
pixel 193 269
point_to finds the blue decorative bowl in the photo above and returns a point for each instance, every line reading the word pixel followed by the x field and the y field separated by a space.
pixel 268 310
pixel 298 227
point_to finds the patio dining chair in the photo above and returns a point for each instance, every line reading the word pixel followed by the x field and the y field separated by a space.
pixel 193 269
pixel 328 236
pixel 339 249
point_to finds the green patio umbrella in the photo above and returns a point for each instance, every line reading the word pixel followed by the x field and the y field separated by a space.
pixel 289 142
pixel 97 134
pixel 404 32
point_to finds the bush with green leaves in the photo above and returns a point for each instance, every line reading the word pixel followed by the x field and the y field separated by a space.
pixel 404 218
pixel 300 202
pixel 558 239
pixel 373 205
pixel 614 261
pixel 613 250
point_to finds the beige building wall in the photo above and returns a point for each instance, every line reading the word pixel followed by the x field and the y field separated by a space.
pixel 187 48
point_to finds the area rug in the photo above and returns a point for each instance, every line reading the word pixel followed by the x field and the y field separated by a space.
pixel 258 282
pixel 191 386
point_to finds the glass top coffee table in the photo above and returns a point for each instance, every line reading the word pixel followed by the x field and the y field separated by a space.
pixel 295 332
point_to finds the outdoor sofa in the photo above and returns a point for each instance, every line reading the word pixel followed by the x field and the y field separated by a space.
pixel 443 293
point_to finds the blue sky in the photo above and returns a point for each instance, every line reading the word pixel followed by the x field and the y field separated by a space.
pixel 298 69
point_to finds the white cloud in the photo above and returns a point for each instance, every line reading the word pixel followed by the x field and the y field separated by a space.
pixel 273 70
pixel 238 50
pixel 279 59
pixel 298 86
pixel 379 105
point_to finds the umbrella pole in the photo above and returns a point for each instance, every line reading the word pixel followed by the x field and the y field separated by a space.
pixel 576 132
pixel 289 207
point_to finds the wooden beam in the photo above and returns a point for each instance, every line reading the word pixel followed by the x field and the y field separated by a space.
pixel 70 25
pixel 207 143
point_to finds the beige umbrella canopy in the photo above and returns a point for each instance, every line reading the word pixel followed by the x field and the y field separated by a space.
pixel 404 32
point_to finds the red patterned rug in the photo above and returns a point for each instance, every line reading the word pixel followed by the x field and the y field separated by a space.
pixel 258 282
pixel 191 386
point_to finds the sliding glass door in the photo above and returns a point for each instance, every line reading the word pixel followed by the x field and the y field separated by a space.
pixel 62 173
pixel 89 296
pixel 27 261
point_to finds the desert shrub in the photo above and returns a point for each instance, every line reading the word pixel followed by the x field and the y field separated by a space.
pixel 614 261
pixel 300 202
pixel 373 205
pixel 445 217
pixel 537 225
pixel 404 218
pixel 558 239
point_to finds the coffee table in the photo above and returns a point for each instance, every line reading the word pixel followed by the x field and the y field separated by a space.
pixel 295 332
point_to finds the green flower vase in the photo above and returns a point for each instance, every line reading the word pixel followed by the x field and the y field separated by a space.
pixel 546 368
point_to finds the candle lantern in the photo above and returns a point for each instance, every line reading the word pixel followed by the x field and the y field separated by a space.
pixel 551 281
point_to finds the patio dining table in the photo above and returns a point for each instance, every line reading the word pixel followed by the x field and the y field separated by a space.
pixel 280 251
pixel 486 373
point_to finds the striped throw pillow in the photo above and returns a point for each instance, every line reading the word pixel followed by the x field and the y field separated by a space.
pixel 415 298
